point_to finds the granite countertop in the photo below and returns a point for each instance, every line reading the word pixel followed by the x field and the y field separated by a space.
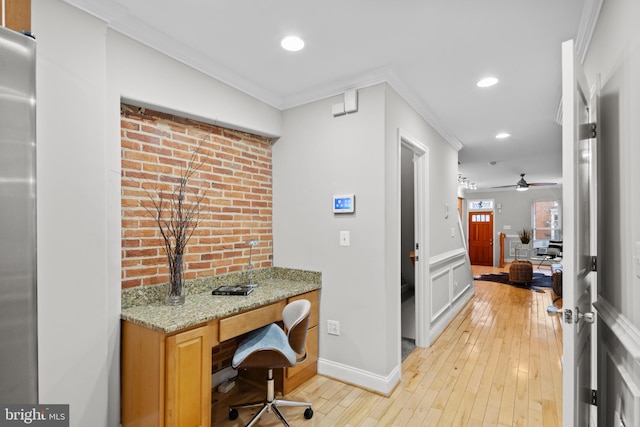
pixel 273 285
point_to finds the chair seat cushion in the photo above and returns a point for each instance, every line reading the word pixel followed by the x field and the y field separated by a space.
pixel 270 338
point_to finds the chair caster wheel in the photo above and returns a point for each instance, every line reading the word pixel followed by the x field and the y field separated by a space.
pixel 233 414
pixel 308 413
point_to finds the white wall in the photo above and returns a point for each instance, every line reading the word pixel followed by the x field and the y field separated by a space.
pixel 444 246
pixel 614 54
pixel 73 325
pixel 83 69
pixel 320 155
pixel 443 169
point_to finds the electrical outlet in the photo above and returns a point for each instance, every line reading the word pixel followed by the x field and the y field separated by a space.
pixel 333 327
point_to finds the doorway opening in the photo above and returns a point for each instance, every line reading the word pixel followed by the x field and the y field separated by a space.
pixel 414 252
pixel 408 251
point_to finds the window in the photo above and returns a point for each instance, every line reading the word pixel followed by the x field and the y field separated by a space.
pixel 547 220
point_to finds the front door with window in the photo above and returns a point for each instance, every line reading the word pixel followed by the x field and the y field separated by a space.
pixel 481 238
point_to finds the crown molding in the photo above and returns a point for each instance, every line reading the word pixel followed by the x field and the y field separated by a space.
pixel 588 22
pixel 118 19
pixel 423 109
pixel 587 27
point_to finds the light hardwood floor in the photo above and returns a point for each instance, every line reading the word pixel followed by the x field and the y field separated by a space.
pixel 497 364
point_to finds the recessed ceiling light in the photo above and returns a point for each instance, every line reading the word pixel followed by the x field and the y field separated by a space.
pixel 503 135
pixel 487 82
pixel 292 43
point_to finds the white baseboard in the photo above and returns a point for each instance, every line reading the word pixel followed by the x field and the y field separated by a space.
pixel 374 382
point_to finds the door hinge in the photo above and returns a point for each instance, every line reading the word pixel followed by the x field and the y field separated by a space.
pixel 594 263
pixel 588 131
pixel 594 397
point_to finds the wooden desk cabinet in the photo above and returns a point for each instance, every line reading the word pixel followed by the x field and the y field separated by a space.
pixel 166 378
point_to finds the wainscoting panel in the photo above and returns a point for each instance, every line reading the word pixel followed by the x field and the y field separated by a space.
pixel 618 367
pixel 440 300
pixel 620 392
pixel 460 279
pixel 450 287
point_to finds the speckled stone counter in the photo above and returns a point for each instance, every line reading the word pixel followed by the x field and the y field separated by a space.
pixel 144 306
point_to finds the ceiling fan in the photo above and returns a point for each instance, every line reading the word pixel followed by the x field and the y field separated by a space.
pixel 523 185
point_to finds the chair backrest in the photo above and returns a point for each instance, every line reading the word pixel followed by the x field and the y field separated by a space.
pixel 555 247
pixel 295 317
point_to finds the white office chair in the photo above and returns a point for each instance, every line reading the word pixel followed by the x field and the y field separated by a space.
pixel 270 347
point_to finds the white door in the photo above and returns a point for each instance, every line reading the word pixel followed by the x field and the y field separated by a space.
pixel 579 205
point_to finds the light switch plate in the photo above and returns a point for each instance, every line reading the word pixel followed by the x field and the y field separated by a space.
pixel 345 238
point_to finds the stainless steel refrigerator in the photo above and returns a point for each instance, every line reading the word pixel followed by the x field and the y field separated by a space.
pixel 18 321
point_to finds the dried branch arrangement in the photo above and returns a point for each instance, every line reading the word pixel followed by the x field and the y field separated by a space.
pixel 177 215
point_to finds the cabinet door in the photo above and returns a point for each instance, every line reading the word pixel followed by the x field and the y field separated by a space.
pixel 188 379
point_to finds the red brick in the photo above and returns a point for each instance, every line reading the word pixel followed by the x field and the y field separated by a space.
pixel 234 177
pixel 131 283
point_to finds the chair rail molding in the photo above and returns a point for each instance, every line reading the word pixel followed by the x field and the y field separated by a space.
pixel 436 260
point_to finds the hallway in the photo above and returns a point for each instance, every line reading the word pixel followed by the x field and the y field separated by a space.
pixel 497 364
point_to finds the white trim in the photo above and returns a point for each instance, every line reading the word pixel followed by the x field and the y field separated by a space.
pixel 423 110
pixel 446 257
pixel 632 387
pixel 462 292
pixel 438 327
pixel 449 263
pixel 622 328
pixel 441 273
pixel 588 21
pixel 359 377
pixel 586 28
pixel 421 218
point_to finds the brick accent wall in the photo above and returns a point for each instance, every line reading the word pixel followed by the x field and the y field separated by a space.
pixel 237 206
pixel 222 354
